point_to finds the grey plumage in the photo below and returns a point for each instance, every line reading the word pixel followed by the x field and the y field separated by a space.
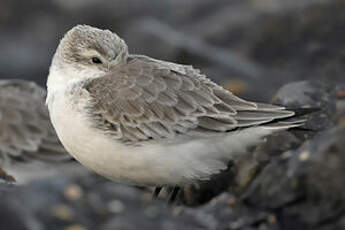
pixel 25 129
pixel 149 99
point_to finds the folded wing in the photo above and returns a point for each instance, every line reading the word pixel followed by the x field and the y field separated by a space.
pixel 150 99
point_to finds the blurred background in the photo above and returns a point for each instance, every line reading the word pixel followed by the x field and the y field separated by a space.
pixel 253 48
pixel 257 45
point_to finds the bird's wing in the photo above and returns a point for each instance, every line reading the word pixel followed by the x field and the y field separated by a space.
pixel 150 99
pixel 25 128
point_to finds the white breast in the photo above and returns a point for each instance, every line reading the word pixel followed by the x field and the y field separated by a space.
pixel 89 146
pixel 105 155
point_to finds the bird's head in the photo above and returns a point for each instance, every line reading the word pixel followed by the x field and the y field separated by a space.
pixel 87 52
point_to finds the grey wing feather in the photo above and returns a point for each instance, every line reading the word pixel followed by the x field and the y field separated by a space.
pixel 25 129
pixel 149 99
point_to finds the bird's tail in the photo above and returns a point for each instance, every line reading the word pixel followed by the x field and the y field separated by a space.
pixel 296 121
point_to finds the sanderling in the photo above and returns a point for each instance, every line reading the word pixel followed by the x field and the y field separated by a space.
pixel 138 120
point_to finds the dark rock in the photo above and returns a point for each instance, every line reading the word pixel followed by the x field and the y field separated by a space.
pixel 92 202
pixel 304 186
pixel 309 187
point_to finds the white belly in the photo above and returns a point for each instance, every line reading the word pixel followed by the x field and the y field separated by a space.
pixel 152 164
pixel 106 155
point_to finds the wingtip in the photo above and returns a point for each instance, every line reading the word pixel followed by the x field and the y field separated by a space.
pixel 285 124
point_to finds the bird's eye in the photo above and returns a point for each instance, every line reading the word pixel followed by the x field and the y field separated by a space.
pixel 96 60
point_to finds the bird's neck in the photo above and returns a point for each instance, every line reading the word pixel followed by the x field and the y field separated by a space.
pixel 54 84
pixel 58 84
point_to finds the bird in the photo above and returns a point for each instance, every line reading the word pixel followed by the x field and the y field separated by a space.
pixel 142 121
pixel 26 133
